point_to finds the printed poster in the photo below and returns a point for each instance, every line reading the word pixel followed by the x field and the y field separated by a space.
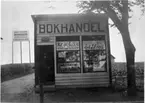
pixel 67 45
pixel 94 45
pixel 69 67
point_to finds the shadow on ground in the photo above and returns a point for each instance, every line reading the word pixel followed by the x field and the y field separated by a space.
pixel 88 95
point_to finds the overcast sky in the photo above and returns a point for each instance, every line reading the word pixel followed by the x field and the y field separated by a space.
pixel 16 15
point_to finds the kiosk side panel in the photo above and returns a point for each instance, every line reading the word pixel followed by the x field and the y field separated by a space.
pixel 36 53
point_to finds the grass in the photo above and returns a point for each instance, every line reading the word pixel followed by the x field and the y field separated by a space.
pixel 12 71
pixel 119 70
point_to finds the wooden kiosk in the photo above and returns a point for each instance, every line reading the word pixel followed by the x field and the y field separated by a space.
pixel 72 50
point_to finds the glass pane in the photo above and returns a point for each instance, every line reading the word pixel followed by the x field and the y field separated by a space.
pixel 68 54
pixel 94 61
pixel 94 55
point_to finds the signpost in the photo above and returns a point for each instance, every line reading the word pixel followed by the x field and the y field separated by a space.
pixel 21 36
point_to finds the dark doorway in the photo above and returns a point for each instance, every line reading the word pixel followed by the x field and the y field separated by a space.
pixel 47 73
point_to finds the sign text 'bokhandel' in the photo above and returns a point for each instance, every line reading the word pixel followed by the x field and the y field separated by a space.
pixel 70 28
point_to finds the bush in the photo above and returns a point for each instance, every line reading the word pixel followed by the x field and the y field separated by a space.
pixel 5 71
pixel 17 69
pixel 119 75
pixel 11 71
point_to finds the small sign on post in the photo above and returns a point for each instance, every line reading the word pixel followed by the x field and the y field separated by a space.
pixel 21 36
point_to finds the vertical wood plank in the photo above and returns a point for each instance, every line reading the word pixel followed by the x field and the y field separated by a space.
pixel 81 54
pixel 36 53
pixel 55 56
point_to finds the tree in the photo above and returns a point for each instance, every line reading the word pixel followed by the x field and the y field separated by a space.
pixel 118 12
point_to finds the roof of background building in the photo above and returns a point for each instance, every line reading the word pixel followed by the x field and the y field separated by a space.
pixel 112 56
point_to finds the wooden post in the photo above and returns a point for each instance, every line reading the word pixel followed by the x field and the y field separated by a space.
pixel 29 52
pixel 41 92
pixel 21 51
pixel 12 52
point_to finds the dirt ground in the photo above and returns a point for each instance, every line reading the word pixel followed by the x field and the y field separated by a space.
pixel 22 90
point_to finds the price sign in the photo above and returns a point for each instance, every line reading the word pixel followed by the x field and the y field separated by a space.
pixel 67 45
pixel 93 45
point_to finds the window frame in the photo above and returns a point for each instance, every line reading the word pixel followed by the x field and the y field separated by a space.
pixel 106 63
pixel 62 38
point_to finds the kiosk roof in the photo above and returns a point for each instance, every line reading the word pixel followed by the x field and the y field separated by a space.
pixel 62 16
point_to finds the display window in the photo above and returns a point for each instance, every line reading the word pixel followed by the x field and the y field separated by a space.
pixel 94 53
pixel 68 54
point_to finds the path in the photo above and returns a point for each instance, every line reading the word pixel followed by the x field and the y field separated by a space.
pixel 21 90
pixel 17 90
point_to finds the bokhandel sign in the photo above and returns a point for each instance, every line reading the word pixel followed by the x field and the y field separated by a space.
pixel 20 35
pixel 77 27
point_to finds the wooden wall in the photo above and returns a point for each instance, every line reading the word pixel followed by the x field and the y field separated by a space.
pixel 83 79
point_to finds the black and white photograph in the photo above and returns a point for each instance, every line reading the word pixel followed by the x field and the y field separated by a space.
pixel 72 51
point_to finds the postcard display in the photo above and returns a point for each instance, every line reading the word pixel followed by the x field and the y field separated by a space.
pixel 81 47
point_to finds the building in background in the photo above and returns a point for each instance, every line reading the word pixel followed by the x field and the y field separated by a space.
pixel 112 59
